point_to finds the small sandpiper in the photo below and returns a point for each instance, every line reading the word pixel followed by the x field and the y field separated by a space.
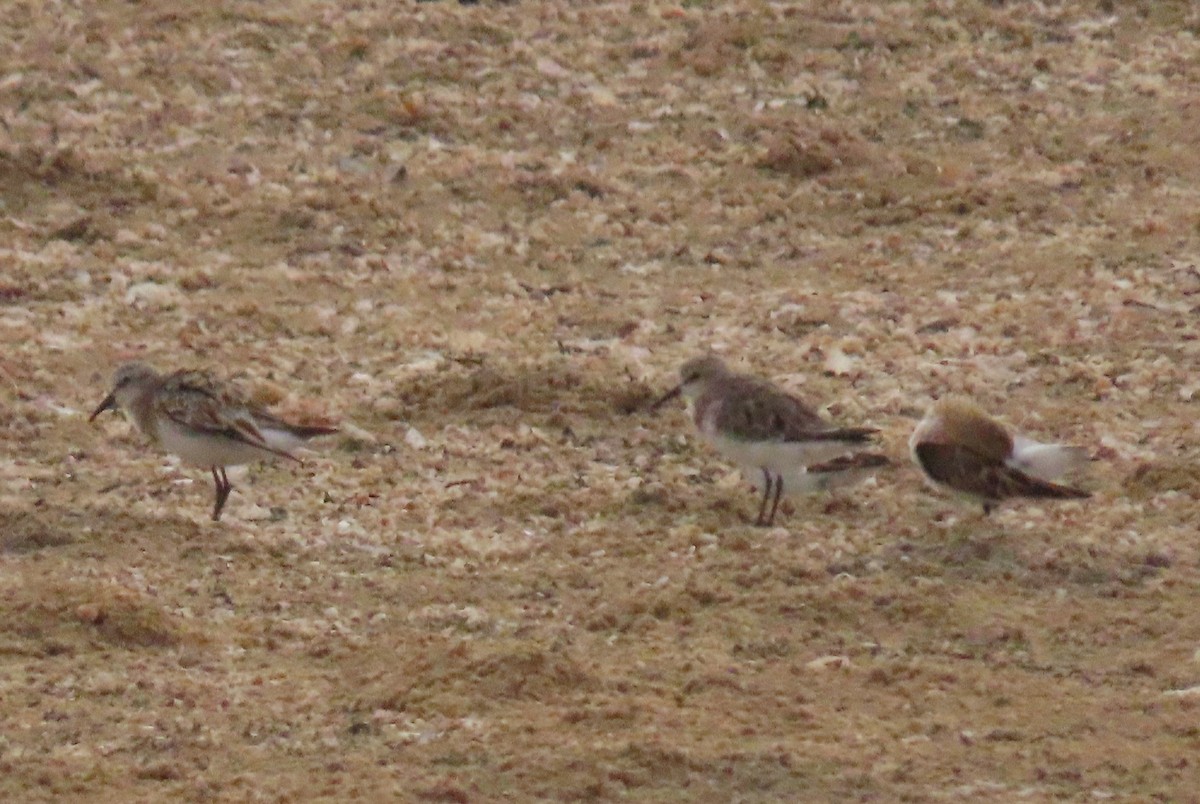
pixel 959 447
pixel 779 442
pixel 190 415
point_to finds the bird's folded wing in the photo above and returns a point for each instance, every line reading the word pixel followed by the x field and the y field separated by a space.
pixel 192 399
pixel 762 413
pixel 967 471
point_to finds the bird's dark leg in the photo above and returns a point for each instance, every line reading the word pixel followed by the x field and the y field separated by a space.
pixel 217 484
pixel 762 508
pixel 223 489
pixel 775 502
pixel 988 507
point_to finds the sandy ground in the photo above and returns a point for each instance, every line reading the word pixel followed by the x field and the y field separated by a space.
pixel 482 238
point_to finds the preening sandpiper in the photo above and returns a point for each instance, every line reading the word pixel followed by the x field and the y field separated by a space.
pixel 959 447
pixel 779 442
pixel 189 414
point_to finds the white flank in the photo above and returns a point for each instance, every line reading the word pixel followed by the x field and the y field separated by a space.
pixel 1045 461
pixel 778 457
pixel 205 449
pixel 282 440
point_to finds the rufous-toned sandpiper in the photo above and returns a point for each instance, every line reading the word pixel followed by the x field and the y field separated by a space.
pixel 780 443
pixel 190 415
pixel 960 448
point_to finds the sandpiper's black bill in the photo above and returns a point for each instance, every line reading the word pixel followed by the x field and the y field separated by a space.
pixel 667 397
pixel 109 403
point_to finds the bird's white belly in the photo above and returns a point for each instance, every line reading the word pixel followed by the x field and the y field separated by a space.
pixel 281 440
pixel 778 457
pixel 200 449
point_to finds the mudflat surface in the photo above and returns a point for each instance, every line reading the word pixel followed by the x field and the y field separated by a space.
pixel 483 238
